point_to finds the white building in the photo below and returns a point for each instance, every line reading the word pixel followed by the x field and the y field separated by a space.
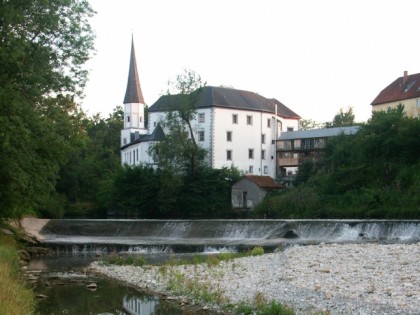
pixel 237 127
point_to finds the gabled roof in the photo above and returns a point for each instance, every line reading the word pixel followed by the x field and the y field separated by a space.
pixel 133 92
pixel 211 96
pixel 318 133
pixel 263 181
pixel 403 88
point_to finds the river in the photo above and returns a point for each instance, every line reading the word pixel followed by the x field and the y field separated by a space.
pixel 64 287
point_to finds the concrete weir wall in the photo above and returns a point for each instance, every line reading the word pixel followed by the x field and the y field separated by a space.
pixel 229 232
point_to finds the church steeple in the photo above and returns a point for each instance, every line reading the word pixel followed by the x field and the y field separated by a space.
pixel 133 92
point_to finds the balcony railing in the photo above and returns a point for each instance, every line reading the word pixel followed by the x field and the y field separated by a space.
pixel 300 147
pixel 289 161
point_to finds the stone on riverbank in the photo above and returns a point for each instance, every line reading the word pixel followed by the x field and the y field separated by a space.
pixel 338 278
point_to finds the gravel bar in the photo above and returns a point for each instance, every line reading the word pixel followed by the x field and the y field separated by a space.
pixel 333 278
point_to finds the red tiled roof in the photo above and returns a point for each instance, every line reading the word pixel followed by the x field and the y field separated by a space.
pixel 263 181
pixel 400 90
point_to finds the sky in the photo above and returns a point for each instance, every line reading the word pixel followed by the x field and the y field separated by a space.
pixel 315 57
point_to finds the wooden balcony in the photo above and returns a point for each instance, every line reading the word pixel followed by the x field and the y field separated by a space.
pixel 289 161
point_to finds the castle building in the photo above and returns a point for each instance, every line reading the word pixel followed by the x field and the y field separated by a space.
pixel 236 127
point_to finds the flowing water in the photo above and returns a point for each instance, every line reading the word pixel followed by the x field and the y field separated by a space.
pixel 76 243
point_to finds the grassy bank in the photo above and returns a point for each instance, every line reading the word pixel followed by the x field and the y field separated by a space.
pixel 15 297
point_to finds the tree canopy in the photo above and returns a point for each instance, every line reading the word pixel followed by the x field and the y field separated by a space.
pixel 43 47
pixel 342 118
pixel 372 174
pixel 179 151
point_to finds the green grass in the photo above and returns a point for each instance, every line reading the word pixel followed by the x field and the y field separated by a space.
pixel 115 259
pixel 16 298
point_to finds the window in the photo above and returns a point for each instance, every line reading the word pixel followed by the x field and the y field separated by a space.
pixel 201 117
pixel 250 153
pixel 140 119
pixel 128 118
pixel 229 155
pixel 137 154
pixel 265 169
pixel 269 122
pixel 234 118
pixel 262 154
pixel 263 138
pixel 249 120
pixel 289 128
pixel 418 103
pixel 201 136
pixel 125 141
pixel 229 136
pixel 154 124
pixel 251 169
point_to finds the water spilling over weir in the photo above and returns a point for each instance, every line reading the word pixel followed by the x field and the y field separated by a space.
pixel 202 235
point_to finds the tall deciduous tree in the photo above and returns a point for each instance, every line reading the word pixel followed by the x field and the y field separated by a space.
pixel 43 47
pixel 180 151
pixel 342 118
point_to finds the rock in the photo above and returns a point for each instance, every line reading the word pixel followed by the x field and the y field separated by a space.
pixel 6 231
pixel 291 234
pixel 92 286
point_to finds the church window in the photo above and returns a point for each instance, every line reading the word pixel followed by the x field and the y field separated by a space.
pixel 201 117
pixel 229 136
pixel 229 155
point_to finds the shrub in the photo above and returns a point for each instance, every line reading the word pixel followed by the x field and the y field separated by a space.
pixel 257 251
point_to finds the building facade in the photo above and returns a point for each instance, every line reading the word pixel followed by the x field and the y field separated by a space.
pixel 294 147
pixel 236 127
pixel 405 90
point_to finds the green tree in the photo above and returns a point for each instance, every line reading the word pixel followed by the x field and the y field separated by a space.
pixel 179 151
pixel 90 168
pixel 307 124
pixel 43 47
pixel 342 119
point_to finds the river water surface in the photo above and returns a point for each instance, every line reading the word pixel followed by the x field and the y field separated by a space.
pixel 64 287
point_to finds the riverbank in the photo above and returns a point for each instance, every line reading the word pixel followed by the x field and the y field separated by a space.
pixel 334 278
pixel 15 296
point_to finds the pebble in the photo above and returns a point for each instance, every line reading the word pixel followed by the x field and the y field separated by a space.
pixel 332 278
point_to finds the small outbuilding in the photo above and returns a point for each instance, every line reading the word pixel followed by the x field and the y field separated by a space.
pixel 251 190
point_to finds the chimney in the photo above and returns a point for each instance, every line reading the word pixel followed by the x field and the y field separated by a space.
pixel 405 77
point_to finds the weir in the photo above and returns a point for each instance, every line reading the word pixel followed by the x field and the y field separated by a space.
pixel 202 235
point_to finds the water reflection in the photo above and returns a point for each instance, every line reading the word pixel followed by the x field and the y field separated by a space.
pixel 140 305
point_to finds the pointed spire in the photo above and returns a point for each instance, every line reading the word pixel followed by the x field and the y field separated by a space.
pixel 133 93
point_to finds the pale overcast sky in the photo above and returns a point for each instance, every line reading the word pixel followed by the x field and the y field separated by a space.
pixel 314 56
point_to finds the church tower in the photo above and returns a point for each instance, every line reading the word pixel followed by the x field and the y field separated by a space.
pixel 133 104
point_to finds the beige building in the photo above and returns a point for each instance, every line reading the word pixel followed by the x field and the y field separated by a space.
pixel 405 90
